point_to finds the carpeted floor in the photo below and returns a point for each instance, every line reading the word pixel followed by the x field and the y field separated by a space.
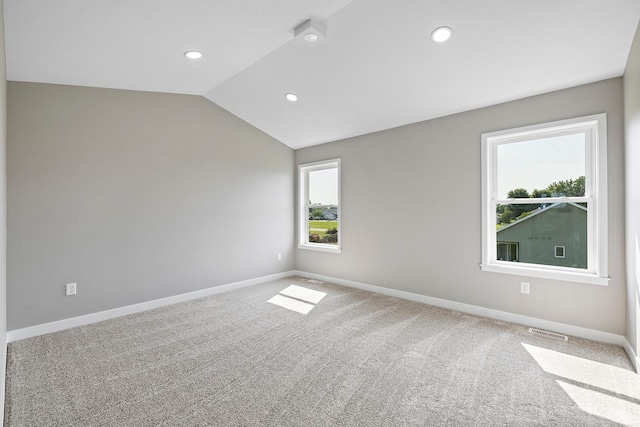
pixel 355 359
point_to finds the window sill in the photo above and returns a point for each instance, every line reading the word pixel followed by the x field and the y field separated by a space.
pixel 320 248
pixel 568 276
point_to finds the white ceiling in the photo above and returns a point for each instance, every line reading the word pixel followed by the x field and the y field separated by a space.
pixel 376 69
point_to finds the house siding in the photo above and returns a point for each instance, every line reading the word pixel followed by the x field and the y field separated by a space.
pixel 537 236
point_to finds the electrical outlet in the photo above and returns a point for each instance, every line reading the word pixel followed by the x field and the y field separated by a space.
pixel 71 289
pixel 279 256
pixel 524 287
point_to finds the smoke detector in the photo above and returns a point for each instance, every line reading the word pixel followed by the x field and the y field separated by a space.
pixel 311 31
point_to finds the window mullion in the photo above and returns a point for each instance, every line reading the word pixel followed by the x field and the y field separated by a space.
pixel 544 200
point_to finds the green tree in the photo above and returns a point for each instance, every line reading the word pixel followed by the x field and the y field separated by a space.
pixel 539 194
pixel 317 214
pixel 568 188
pixel 509 213
pixel 518 193
pixel 505 214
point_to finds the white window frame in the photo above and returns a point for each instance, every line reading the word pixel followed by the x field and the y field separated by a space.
pixel 303 207
pixel 595 127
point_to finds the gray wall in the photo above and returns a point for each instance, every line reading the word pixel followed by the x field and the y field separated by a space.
pixel 3 213
pixel 632 168
pixel 411 207
pixel 136 196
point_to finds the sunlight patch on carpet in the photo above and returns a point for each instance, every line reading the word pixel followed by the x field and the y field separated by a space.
pixel 602 405
pixel 617 397
pixel 585 371
pixel 298 299
pixel 304 294
pixel 291 304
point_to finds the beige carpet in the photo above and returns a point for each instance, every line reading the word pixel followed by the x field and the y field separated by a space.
pixel 355 359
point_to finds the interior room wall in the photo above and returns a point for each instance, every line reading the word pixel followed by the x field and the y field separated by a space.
pixel 3 213
pixel 136 196
pixel 632 190
pixel 411 211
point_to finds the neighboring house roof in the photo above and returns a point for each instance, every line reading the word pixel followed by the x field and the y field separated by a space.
pixel 541 211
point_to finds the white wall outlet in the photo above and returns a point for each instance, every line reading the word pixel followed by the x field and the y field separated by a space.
pixel 279 256
pixel 524 287
pixel 71 289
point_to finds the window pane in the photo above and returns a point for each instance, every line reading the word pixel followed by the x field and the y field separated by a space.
pixel 323 206
pixel 539 163
pixel 323 187
pixel 535 231
pixel 323 225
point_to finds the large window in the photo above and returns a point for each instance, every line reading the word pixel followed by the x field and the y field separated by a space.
pixel 319 206
pixel 545 200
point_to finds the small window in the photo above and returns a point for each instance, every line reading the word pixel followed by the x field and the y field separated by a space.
pixel 541 185
pixel 507 251
pixel 319 206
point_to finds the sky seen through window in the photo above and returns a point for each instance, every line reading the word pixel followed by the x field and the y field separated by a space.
pixel 323 186
pixel 535 164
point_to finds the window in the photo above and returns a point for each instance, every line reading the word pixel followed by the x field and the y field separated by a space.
pixel 544 207
pixel 507 251
pixel 319 206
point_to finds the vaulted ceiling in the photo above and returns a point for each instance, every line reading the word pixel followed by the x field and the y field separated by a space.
pixel 377 67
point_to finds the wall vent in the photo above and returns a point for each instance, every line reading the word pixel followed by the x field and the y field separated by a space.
pixel 547 334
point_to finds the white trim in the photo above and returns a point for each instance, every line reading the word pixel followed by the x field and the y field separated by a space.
pixel 551 128
pixel 606 337
pixel 563 328
pixel 595 130
pixel 635 360
pixel 549 272
pixel 303 197
pixel 46 328
pixel 601 237
pixel 546 201
pixel 3 379
pixel 321 247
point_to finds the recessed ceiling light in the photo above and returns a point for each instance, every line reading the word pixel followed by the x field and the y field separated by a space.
pixel 310 37
pixel 193 54
pixel 291 97
pixel 441 34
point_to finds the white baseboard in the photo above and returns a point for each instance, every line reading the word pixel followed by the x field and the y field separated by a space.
pixel 32 331
pixel 635 360
pixel 3 376
pixel 575 331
